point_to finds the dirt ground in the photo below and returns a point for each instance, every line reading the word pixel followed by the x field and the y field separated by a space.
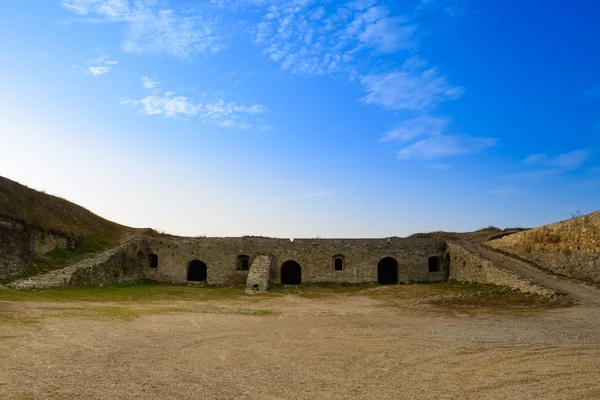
pixel 377 343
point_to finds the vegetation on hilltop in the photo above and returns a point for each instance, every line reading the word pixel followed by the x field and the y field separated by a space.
pixel 37 211
pixel 52 214
pixel 480 235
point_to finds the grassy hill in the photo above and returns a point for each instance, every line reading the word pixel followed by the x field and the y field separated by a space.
pixel 478 236
pixel 39 211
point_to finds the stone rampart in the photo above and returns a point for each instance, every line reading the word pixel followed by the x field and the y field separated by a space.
pixel 466 266
pixel 570 248
pixel 19 244
pixel 128 262
pixel 315 257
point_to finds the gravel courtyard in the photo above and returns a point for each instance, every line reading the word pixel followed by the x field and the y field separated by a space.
pixel 372 342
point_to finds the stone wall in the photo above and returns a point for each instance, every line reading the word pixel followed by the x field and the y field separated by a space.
pixel 570 248
pixel 315 256
pixel 19 244
pixel 128 262
pixel 466 266
pixel 259 273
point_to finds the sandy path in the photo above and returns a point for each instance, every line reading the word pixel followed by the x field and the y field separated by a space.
pixel 341 347
pixel 577 290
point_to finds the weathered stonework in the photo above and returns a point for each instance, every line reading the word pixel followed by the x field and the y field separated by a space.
pixel 570 248
pixel 466 266
pixel 258 276
pixel 315 256
pixel 19 244
pixel 128 262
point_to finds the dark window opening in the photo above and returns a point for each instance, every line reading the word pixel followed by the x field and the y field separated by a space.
pixel 243 263
pixel 387 271
pixel 291 273
pixel 153 260
pixel 196 271
pixel 338 262
pixel 434 264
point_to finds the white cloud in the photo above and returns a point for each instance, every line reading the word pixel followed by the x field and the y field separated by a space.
pixel 152 28
pixel 217 112
pixel 101 65
pixel 97 71
pixel 445 145
pixel 409 90
pixel 424 125
pixel 571 160
pixel 310 39
pixel 149 83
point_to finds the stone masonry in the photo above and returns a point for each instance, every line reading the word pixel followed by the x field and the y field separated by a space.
pixel 258 276
pixel 570 248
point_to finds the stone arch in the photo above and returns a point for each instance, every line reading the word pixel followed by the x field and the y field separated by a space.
pixel 339 262
pixel 433 263
pixel 196 271
pixel 291 273
pixel 387 271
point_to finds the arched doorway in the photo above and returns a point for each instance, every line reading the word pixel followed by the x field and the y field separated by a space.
pixel 196 271
pixel 291 273
pixel 446 266
pixel 387 271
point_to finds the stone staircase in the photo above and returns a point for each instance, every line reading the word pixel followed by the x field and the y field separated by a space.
pixel 72 274
pixel 258 276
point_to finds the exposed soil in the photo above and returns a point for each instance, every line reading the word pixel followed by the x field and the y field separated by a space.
pixel 371 344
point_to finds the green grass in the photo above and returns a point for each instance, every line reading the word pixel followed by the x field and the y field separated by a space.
pixel 469 297
pixel 133 292
pixel 60 258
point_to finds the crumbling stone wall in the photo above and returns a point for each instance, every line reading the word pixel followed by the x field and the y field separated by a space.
pixel 466 266
pixel 258 275
pixel 570 248
pixel 315 256
pixel 128 262
pixel 19 244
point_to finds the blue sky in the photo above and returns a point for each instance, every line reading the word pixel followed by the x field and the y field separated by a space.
pixel 305 118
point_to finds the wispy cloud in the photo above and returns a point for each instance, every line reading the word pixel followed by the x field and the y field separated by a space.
pixel 445 145
pixel 309 38
pixel 319 193
pixel 152 27
pixel 97 71
pixel 409 90
pixel 424 125
pixel 571 160
pixel 100 66
pixel 149 83
pixel 216 112
pixel 430 140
